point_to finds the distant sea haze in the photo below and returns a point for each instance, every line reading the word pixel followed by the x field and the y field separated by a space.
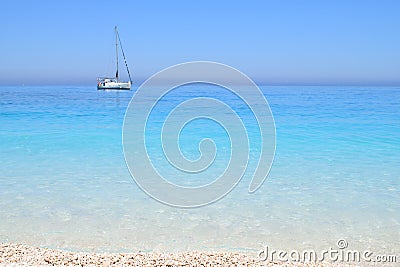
pixel 64 182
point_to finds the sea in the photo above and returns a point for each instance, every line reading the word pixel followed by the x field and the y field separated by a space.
pixel 64 182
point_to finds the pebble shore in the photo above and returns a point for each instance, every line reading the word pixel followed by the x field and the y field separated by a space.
pixel 22 255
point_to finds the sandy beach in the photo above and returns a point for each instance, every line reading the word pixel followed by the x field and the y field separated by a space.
pixel 22 255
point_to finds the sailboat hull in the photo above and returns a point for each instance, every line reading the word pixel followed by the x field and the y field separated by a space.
pixel 113 86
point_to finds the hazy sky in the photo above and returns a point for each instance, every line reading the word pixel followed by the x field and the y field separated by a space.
pixel 273 42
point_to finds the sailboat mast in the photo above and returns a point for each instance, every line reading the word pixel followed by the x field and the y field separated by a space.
pixel 116 50
pixel 126 63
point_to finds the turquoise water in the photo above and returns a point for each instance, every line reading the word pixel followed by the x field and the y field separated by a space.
pixel 336 174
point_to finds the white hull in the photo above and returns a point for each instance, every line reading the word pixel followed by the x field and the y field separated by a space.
pixel 114 85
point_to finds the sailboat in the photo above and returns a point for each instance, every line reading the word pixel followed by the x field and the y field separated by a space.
pixel 104 83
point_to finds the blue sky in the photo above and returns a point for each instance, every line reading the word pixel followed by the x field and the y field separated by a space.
pixel 273 42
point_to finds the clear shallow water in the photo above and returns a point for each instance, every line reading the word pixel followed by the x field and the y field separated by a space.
pixel 336 174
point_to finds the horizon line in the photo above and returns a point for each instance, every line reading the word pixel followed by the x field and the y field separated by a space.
pixel 397 84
